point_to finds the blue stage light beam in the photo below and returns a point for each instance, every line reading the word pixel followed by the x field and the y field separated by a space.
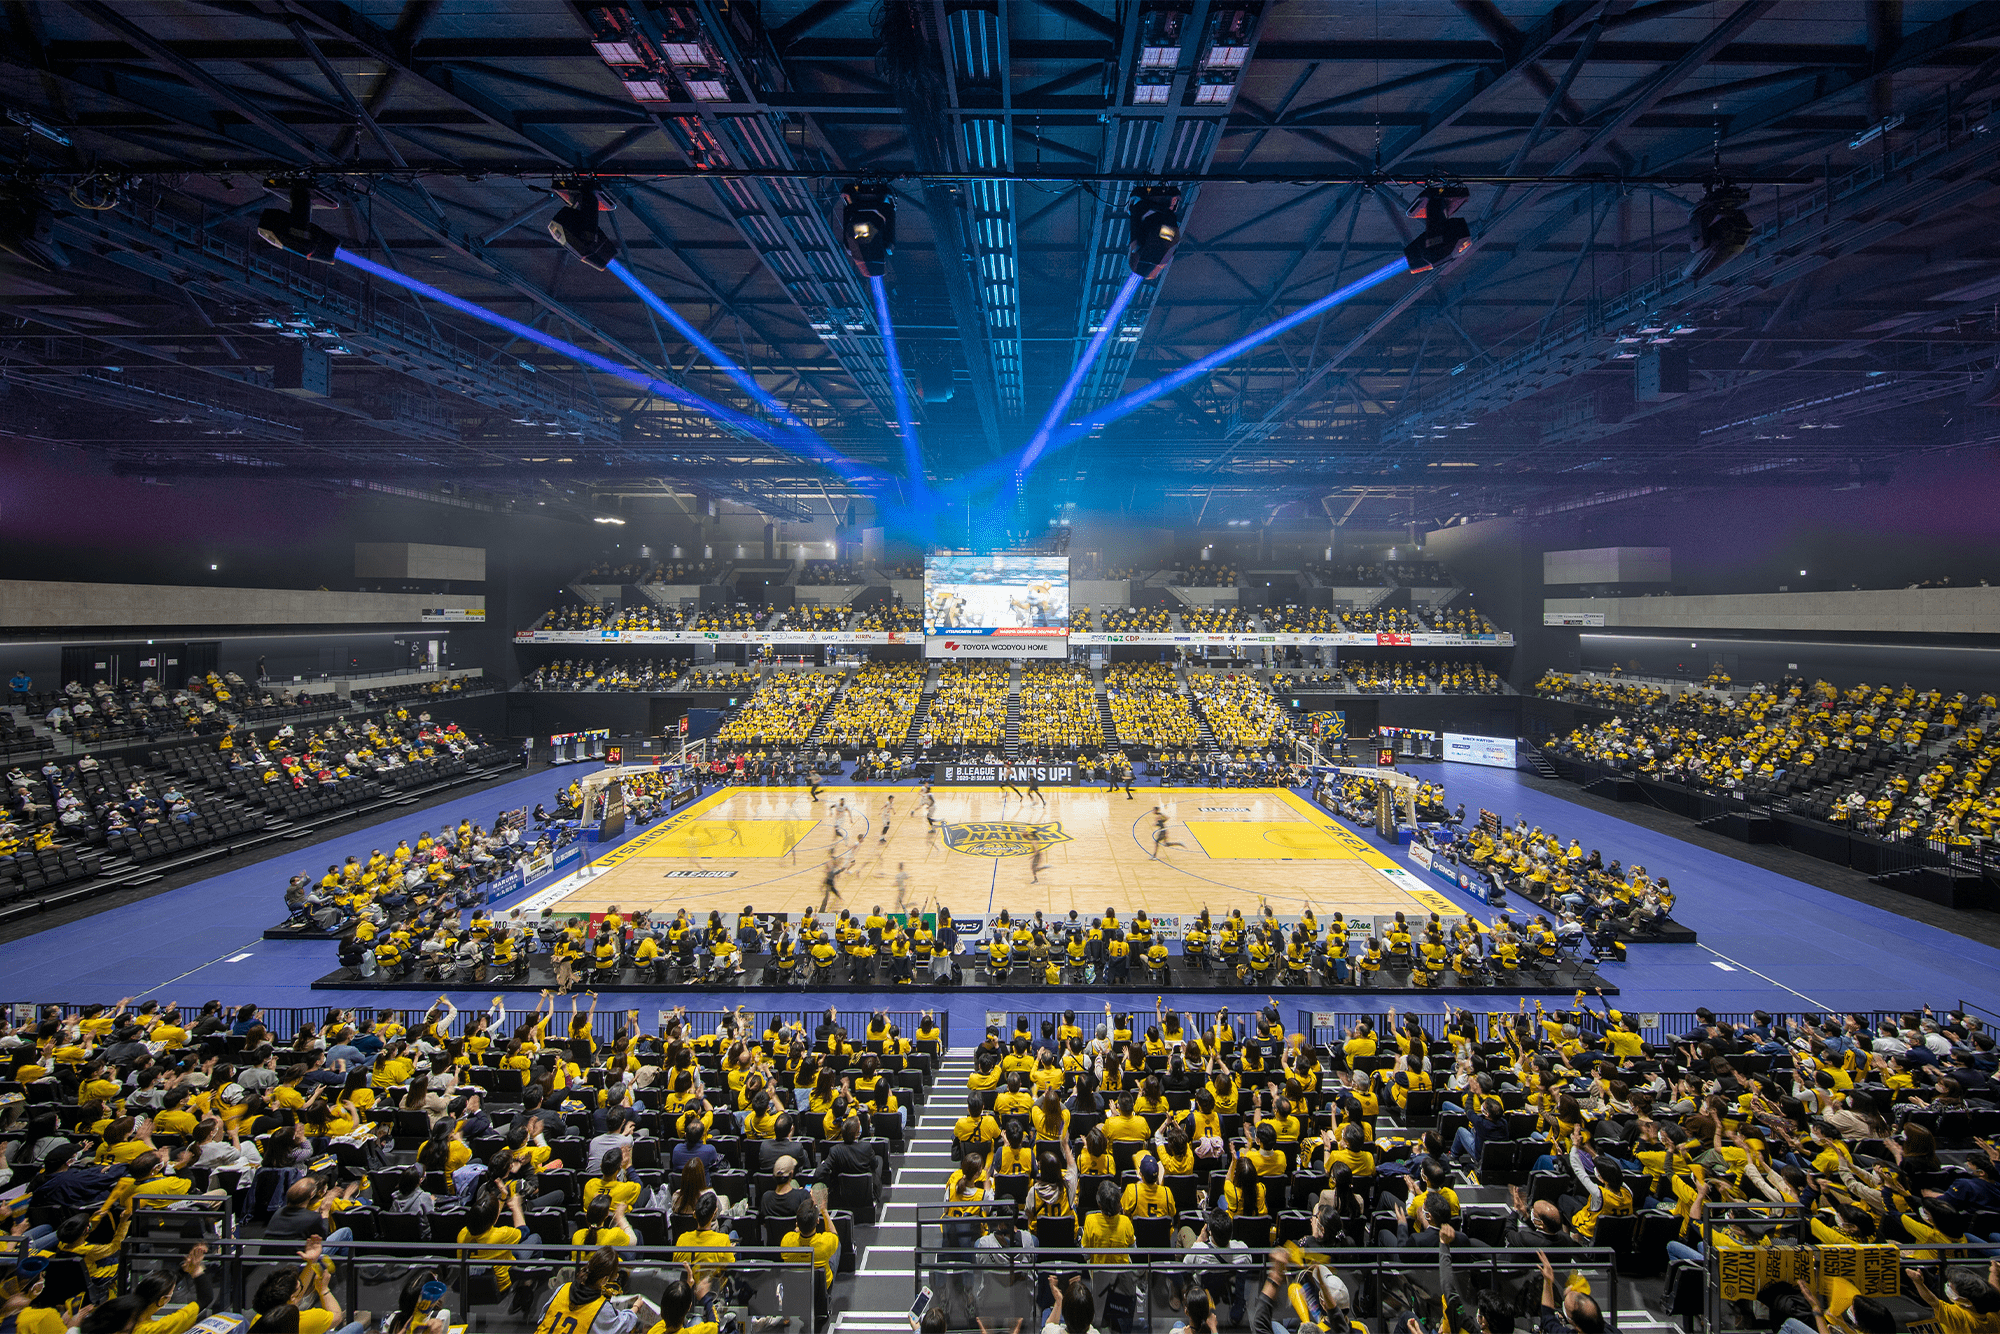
pixel 729 417
pixel 906 427
pixel 719 359
pixel 1105 331
pixel 1166 384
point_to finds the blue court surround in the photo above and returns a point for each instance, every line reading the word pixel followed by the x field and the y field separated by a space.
pixel 1767 940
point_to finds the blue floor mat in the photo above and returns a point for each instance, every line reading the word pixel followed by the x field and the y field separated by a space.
pixel 1767 940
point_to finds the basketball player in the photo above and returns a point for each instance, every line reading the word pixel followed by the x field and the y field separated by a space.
pixel 1007 784
pixel 888 814
pixel 840 814
pixel 929 802
pixel 1036 862
pixel 814 781
pixel 1035 787
pixel 1160 838
pixel 902 887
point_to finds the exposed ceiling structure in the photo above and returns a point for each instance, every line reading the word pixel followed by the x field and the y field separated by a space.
pixel 1567 357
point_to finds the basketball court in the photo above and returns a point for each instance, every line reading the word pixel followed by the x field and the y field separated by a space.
pixel 1225 848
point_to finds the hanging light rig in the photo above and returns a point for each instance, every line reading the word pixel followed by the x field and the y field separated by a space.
pixel 293 230
pixel 1155 230
pixel 1445 236
pixel 868 227
pixel 576 228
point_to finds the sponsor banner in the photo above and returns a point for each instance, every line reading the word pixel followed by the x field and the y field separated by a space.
pixel 1010 644
pixel 1014 632
pixel 988 775
pixel 1387 639
pixel 698 875
pixel 1495 752
pixel 474 614
pixel 683 790
pixel 1420 853
pixel 1588 618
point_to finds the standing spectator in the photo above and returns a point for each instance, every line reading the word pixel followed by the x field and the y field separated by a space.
pixel 21 684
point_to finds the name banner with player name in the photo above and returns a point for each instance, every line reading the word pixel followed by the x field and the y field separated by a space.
pixel 1015 642
pixel 987 775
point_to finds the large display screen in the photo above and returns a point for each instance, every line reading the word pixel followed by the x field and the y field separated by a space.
pixel 1001 605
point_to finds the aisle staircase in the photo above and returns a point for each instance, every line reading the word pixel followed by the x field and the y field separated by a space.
pixel 876 1299
pixel 1013 735
pixel 908 749
pixel 1204 738
pixel 1104 716
pixel 819 724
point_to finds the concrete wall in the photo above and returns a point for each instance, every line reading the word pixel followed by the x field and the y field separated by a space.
pixel 33 604
pixel 345 687
pixel 419 560
pixel 1965 611
pixel 1204 597
pixel 1100 592
pixel 1609 565
pixel 828 595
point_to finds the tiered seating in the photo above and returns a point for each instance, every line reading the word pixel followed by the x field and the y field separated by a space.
pixel 1148 708
pixel 572 616
pixel 1216 620
pixel 1462 621
pixel 648 616
pixel 969 710
pixel 602 674
pixel 881 699
pixel 1240 712
pixel 1612 694
pixel 1381 621
pixel 1206 574
pixel 1080 622
pixel 1302 620
pixel 809 616
pixel 650 572
pixel 1420 678
pixel 894 616
pixel 1137 620
pixel 1418 573
pixel 558 1092
pixel 1346 575
pixel 782 712
pixel 1059 708
pixel 740 617
pixel 820 573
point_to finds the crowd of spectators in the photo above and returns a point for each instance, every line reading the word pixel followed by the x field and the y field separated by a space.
pixel 1462 621
pixel 812 616
pixel 1137 620
pixel 1298 620
pixel 783 710
pixel 1216 620
pixel 604 674
pixel 891 616
pixel 1418 573
pixel 875 710
pixel 102 713
pixel 1059 708
pixel 1382 621
pixel 1148 707
pixel 741 616
pixel 1239 710
pixel 1611 694
pixel 1418 677
pixel 572 616
pixel 969 709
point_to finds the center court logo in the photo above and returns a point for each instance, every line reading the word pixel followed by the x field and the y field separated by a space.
pixel 1002 838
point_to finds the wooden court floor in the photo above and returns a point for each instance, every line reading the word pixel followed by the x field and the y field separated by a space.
pixel 769 847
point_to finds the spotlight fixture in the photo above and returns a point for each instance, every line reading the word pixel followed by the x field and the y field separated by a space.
pixel 868 227
pixel 575 228
pixel 1156 230
pixel 293 229
pixel 1719 229
pixel 1444 236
